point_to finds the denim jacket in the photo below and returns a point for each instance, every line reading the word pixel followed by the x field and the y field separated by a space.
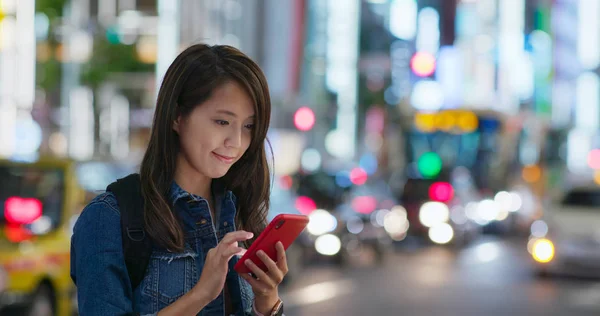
pixel 98 265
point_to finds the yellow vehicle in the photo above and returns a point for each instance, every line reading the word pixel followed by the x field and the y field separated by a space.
pixel 38 205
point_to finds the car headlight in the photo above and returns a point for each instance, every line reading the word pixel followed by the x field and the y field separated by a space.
pixel 328 245
pixel 433 213
pixel 441 233
pixel 396 223
pixel 321 222
pixel 542 250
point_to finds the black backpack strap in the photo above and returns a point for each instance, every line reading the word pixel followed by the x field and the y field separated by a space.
pixel 137 246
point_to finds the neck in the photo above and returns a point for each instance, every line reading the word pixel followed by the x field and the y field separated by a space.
pixel 191 180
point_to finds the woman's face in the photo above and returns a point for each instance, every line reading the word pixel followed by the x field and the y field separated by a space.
pixel 217 132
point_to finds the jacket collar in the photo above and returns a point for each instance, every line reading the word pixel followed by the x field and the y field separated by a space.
pixel 219 192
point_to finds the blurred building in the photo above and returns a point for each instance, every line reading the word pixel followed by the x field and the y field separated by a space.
pixel 99 64
pixel 346 72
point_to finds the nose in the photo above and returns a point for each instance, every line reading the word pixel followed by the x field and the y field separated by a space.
pixel 234 138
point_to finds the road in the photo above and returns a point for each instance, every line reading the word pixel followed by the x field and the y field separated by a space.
pixel 491 277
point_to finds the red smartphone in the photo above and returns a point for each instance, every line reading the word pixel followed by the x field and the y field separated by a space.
pixel 285 228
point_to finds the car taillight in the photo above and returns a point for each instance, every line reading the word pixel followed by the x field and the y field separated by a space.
pixel 441 192
pixel 17 233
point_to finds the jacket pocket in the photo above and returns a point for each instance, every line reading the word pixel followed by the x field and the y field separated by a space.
pixel 170 276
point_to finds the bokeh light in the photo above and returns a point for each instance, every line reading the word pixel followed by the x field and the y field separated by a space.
pixel 304 119
pixel 305 205
pixel 342 179
pixel 593 159
pixel 358 176
pixel 423 64
pixel 430 164
pixel 368 162
pixel 364 204
pixel 441 233
pixel 311 159
pixel 441 191
pixel 543 250
pixel 532 173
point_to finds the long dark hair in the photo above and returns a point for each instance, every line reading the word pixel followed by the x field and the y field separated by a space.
pixel 189 81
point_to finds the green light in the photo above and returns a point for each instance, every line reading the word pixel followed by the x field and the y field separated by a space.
pixel 429 164
pixel 112 35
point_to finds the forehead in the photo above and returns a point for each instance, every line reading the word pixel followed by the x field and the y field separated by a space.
pixel 231 97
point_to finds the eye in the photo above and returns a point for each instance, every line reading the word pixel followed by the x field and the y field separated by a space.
pixel 249 126
pixel 222 122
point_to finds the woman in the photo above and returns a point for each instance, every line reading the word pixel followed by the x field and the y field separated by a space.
pixel 205 186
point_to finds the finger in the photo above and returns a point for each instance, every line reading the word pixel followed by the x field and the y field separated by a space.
pixel 242 253
pixel 260 274
pixel 236 236
pixel 273 270
pixel 257 285
pixel 231 251
pixel 281 258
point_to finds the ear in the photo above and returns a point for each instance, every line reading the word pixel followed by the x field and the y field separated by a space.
pixel 177 124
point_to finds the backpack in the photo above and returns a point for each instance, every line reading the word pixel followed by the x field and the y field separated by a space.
pixel 137 246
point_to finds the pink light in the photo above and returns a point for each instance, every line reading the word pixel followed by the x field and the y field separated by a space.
pixel 441 191
pixel 364 204
pixel 358 176
pixel 305 205
pixel 423 64
pixel 593 159
pixel 304 119
pixel 286 182
pixel 22 210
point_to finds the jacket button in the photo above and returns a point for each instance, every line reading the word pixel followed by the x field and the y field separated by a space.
pixel 202 222
pixel 225 224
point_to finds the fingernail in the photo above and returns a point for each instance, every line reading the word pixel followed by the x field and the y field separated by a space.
pixel 250 235
pixel 260 252
pixel 247 262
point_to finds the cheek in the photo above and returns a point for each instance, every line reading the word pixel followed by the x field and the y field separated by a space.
pixel 246 141
pixel 194 142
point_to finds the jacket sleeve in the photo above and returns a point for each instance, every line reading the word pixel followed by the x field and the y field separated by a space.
pixel 98 264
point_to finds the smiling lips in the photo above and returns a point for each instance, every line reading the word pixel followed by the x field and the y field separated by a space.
pixel 224 159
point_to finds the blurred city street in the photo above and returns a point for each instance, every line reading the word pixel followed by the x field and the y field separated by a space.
pixel 444 153
pixel 491 277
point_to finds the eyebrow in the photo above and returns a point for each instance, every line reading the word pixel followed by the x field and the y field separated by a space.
pixel 226 112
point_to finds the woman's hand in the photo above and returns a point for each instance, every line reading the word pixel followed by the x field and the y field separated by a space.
pixel 215 268
pixel 266 284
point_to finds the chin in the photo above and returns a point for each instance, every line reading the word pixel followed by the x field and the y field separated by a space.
pixel 218 173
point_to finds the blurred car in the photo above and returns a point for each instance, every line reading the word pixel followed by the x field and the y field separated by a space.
pixel 317 195
pixel 436 209
pixel 566 240
pixel 38 203
pixel 367 221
